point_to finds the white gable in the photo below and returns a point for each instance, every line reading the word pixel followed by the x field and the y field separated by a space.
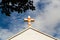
pixel 31 34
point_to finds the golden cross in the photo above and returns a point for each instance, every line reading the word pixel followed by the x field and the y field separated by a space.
pixel 29 20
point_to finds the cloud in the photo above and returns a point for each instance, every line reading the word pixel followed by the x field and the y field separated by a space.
pixel 47 20
pixel 5 34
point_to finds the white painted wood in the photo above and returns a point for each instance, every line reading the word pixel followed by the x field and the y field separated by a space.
pixel 31 35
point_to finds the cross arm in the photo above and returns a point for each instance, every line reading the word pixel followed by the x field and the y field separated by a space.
pixel 25 20
pixel 32 20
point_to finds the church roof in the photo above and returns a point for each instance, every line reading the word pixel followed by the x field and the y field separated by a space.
pixel 30 32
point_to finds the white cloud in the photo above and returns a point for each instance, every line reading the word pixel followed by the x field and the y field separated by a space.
pixel 45 21
pixel 48 19
pixel 5 34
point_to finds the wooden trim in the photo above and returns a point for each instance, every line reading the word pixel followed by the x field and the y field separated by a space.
pixel 32 29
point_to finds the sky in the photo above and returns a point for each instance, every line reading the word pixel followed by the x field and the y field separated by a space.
pixel 46 15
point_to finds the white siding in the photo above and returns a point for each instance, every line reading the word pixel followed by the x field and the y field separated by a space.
pixel 31 35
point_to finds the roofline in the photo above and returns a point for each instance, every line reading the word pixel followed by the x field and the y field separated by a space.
pixel 32 29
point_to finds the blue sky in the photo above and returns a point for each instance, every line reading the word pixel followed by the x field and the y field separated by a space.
pixel 46 15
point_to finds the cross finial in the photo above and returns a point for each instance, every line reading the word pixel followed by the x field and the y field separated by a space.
pixel 29 20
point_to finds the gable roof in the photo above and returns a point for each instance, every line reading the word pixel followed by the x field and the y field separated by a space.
pixel 32 29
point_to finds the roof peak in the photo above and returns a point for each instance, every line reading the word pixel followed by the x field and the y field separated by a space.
pixel 33 30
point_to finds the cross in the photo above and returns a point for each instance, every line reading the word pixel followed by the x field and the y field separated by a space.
pixel 29 20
